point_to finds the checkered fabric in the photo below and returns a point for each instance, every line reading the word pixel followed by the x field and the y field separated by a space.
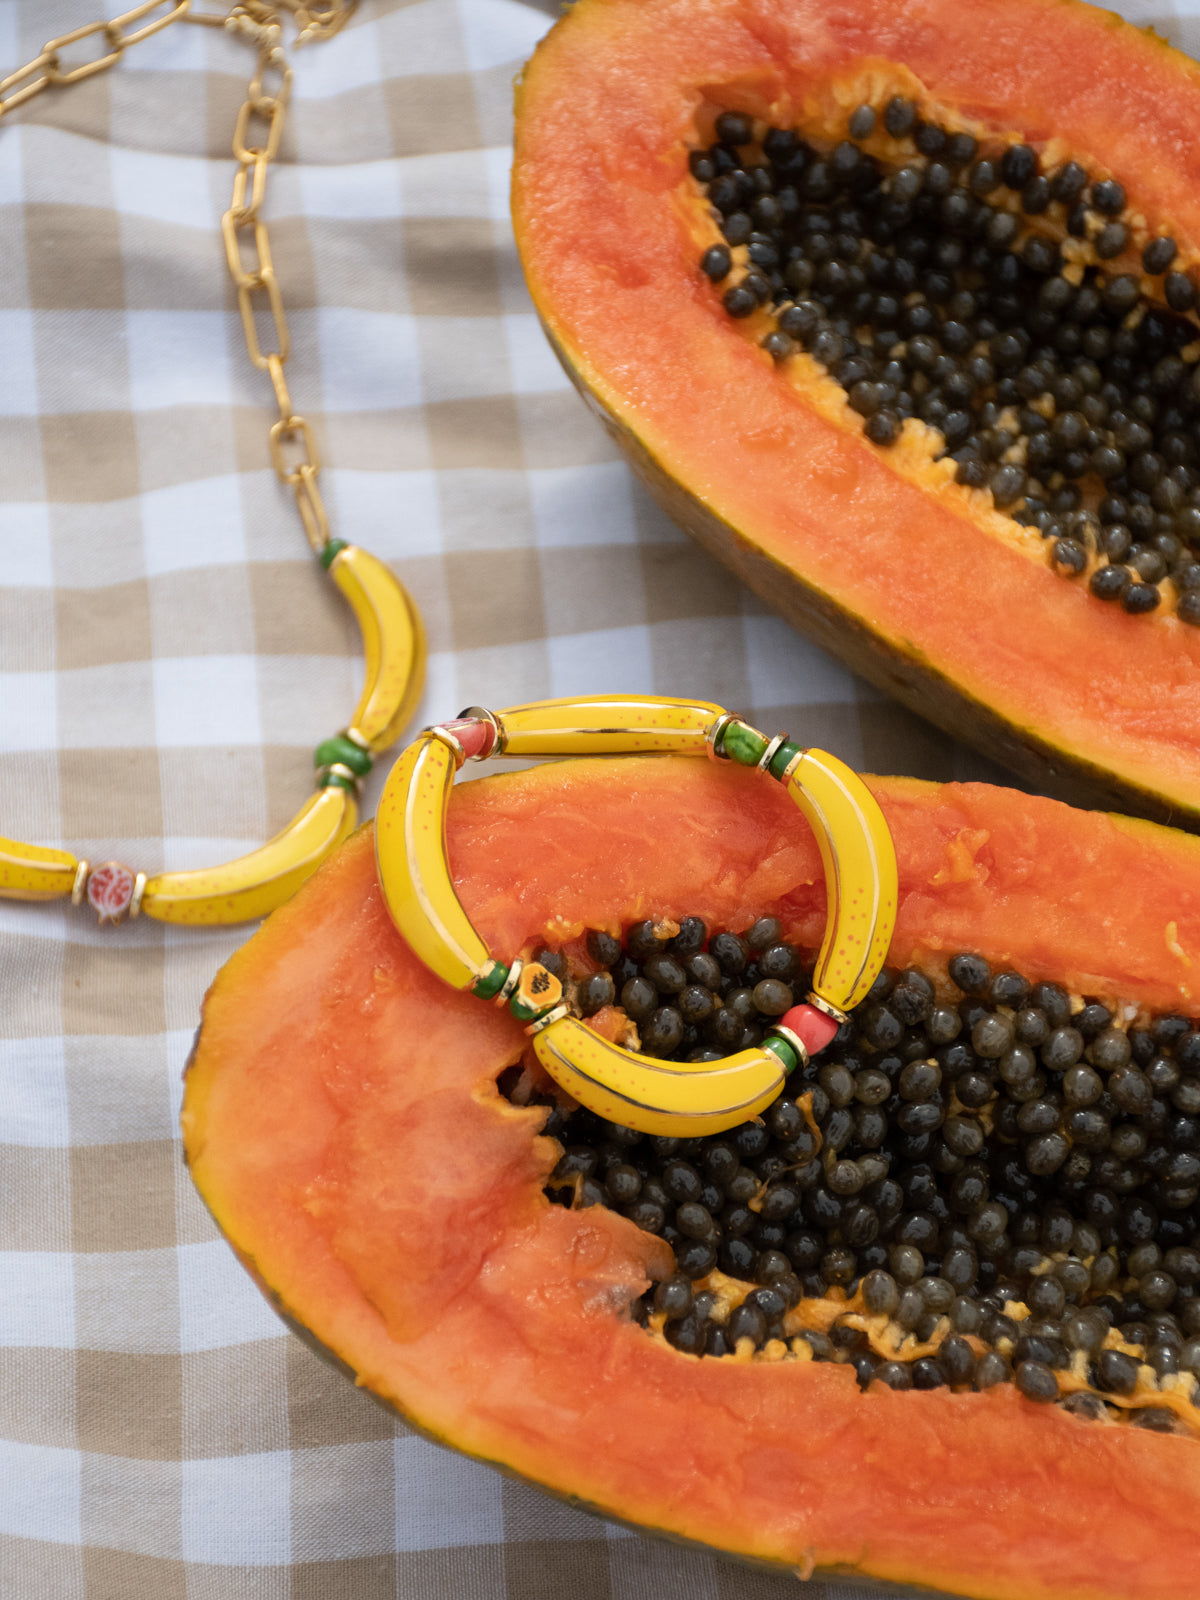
pixel 169 656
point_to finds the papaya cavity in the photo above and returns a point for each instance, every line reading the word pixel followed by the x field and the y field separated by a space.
pixel 1024 327
pixel 982 1180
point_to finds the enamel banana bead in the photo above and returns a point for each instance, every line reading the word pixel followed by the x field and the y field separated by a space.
pixel 625 1086
pixel 254 884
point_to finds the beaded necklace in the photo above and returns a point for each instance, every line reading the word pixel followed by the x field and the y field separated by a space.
pixel 393 641
pixel 635 1089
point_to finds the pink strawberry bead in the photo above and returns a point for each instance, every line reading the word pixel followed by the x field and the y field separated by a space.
pixel 475 735
pixel 811 1026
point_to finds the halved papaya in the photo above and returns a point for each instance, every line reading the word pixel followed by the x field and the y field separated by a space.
pixel 928 563
pixel 343 1122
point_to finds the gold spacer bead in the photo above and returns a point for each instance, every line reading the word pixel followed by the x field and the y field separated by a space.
pixel 135 902
pixel 339 769
pixel 510 983
pixel 786 775
pixel 559 1012
pixel 79 887
pixel 712 734
pixel 768 755
pixel 828 1007
pixel 500 739
pixel 794 1039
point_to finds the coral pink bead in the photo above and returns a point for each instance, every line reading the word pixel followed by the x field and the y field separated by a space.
pixel 475 735
pixel 810 1025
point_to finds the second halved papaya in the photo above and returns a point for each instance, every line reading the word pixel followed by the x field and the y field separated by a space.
pixel 893 308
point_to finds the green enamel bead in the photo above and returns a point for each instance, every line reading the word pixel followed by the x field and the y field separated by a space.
pixel 339 748
pixel 781 1048
pixel 490 983
pixel 333 549
pixel 337 780
pixel 742 744
pixel 524 1011
pixel 782 757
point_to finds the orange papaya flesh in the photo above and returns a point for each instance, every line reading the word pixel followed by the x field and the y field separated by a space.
pixel 918 584
pixel 342 1121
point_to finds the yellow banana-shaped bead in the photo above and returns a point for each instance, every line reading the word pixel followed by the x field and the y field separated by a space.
pixel 393 644
pixel 610 725
pixel 637 1091
pixel 254 884
pixel 410 853
pixel 34 872
pixel 860 873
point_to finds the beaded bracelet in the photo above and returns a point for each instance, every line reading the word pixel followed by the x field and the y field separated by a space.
pixel 624 1086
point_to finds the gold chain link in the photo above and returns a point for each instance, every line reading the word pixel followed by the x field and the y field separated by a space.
pixel 257 132
pixel 256 137
pixel 46 70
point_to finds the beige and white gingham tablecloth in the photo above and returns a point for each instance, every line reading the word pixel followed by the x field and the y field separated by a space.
pixel 169 656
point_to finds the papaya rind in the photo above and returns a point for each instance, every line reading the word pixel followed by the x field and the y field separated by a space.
pixel 897 667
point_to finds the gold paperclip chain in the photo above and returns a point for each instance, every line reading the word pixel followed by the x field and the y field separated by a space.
pixel 256 136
